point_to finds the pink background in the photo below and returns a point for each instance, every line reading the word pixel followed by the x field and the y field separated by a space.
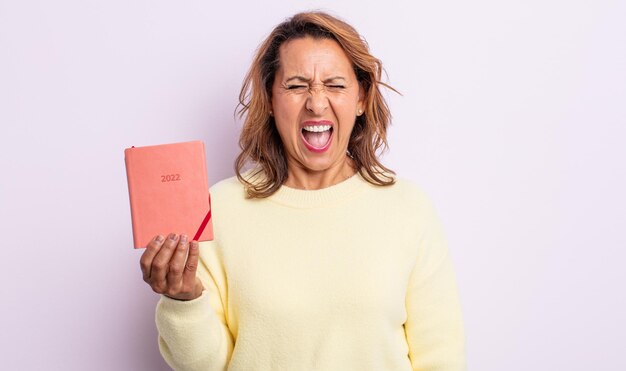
pixel 513 119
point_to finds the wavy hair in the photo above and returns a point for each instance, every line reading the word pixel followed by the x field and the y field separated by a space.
pixel 260 142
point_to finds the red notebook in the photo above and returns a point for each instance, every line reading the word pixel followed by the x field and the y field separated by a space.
pixel 168 191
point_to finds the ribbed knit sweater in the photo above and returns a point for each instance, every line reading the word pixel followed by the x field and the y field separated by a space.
pixel 350 277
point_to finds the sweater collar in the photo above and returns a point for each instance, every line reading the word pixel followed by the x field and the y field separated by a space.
pixel 307 199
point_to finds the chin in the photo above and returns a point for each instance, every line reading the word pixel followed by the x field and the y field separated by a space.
pixel 320 164
pixel 317 166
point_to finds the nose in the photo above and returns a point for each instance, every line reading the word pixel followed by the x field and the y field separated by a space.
pixel 317 101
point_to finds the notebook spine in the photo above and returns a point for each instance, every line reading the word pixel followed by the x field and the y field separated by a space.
pixel 128 158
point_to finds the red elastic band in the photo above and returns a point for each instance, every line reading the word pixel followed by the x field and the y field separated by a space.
pixel 204 222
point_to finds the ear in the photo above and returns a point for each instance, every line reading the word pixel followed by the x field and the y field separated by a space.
pixel 271 103
pixel 360 106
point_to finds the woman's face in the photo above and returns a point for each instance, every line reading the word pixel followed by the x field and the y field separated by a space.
pixel 315 101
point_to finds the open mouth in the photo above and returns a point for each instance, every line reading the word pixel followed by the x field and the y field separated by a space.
pixel 317 138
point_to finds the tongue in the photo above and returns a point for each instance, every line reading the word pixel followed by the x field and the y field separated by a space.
pixel 317 140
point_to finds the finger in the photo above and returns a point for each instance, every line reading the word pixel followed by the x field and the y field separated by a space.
pixel 177 265
pixel 189 275
pixel 160 264
pixel 148 256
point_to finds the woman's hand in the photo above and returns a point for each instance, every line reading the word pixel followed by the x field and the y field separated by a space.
pixel 169 267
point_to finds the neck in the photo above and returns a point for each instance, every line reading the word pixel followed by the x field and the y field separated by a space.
pixel 302 178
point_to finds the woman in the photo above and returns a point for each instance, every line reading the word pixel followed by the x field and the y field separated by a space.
pixel 322 260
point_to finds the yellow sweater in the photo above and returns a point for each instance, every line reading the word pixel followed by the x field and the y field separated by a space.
pixel 350 277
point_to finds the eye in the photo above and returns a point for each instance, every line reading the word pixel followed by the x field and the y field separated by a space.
pixel 296 87
pixel 336 86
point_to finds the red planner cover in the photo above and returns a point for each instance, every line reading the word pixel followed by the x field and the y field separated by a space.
pixel 169 191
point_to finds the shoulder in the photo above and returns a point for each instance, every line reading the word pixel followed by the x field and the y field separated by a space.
pixel 404 190
pixel 228 188
pixel 228 199
pixel 229 195
pixel 404 197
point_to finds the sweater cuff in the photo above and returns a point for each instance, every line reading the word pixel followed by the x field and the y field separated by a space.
pixel 184 309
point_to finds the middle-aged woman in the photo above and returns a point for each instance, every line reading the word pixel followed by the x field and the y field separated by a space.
pixel 322 258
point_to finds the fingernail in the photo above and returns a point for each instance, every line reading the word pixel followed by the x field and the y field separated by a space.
pixel 183 238
pixel 172 236
pixel 194 244
pixel 159 238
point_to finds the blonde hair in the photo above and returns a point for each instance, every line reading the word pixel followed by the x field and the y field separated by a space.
pixel 259 140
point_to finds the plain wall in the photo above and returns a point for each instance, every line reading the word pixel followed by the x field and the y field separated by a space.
pixel 512 118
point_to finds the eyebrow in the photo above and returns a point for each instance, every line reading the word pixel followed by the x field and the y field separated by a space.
pixel 304 79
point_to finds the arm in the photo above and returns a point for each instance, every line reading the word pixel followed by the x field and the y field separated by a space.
pixel 194 335
pixel 434 326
